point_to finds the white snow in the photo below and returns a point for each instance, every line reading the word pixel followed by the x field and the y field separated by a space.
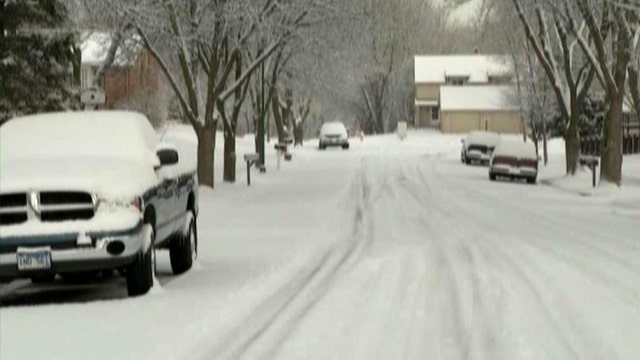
pixel 482 138
pixel 516 148
pixel 333 128
pixel 90 151
pixel 434 69
pixel 391 250
pixel 477 98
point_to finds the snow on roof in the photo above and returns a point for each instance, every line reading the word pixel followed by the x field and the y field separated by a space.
pixel 95 46
pixel 476 98
pixel 436 68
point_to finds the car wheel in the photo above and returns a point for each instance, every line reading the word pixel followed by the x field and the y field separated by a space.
pixel 467 161
pixel 140 272
pixel 43 278
pixel 345 147
pixel 531 180
pixel 492 176
pixel 184 249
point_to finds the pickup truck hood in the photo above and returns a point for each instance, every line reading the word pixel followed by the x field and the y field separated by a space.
pixel 108 178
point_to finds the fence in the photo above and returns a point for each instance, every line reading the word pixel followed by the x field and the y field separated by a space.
pixel 591 145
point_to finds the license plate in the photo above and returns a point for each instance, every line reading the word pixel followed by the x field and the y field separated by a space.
pixel 34 258
pixel 514 171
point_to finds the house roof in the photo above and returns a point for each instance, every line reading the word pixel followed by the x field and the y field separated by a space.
pixel 95 47
pixel 436 68
pixel 474 98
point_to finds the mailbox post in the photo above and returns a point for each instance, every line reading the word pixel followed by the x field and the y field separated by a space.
pixel 250 159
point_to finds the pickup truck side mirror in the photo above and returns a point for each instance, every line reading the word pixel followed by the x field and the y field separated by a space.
pixel 167 156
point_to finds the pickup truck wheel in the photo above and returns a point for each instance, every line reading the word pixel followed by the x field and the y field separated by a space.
pixel 492 176
pixel 184 249
pixel 140 273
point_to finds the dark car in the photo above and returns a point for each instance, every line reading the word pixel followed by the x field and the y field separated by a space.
pixel 90 192
pixel 514 159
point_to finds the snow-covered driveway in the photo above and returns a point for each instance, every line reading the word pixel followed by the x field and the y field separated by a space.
pixel 389 251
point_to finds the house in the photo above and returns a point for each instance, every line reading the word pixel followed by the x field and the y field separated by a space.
pixel 461 93
pixel 133 71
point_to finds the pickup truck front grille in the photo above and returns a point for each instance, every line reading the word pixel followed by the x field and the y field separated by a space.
pixel 47 206
pixel 13 208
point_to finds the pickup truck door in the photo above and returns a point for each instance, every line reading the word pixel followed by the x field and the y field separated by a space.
pixel 165 204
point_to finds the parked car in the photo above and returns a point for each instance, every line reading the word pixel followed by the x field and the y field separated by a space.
pixel 478 146
pixel 92 191
pixel 333 134
pixel 514 159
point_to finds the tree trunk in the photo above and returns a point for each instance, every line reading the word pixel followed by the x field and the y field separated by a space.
pixel 229 174
pixel 545 153
pixel 572 139
pixel 206 147
pixel 611 147
pixel 278 117
pixel 298 133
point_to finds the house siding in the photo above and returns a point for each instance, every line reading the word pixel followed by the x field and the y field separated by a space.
pixel 428 92
pixel 506 122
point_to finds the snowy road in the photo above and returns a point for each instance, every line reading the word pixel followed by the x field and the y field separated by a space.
pixel 389 251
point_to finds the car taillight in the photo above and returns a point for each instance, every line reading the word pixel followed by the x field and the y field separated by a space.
pixel 529 163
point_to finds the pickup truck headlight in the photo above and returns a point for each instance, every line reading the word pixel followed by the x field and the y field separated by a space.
pixel 136 203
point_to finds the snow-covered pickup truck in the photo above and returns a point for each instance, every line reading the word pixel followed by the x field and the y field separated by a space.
pixel 85 192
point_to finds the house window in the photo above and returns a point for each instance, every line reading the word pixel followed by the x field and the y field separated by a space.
pixel 457 80
pixel 435 113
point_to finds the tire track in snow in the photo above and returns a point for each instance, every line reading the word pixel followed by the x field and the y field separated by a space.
pixel 565 326
pixel 292 301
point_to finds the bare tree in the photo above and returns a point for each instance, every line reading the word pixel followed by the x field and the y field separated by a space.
pixel 199 47
pixel 570 80
pixel 611 45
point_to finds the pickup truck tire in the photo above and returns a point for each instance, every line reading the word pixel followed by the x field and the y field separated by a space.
pixel 140 273
pixel 184 249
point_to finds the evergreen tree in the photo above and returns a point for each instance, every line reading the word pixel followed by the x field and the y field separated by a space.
pixel 36 58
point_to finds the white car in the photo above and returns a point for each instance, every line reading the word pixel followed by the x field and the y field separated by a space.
pixel 514 159
pixel 478 146
pixel 333 134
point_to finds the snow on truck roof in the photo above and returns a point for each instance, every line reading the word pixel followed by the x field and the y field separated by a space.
pixel 111 153
pixel 435 69
pixel 112 134
pixel 471 98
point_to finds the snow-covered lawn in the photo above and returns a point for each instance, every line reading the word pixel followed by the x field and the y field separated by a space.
pixel 391 250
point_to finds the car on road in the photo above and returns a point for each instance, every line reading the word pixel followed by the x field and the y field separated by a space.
pixel 333 133
pixel 478 146
pixel 89 192
pixel 514 159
